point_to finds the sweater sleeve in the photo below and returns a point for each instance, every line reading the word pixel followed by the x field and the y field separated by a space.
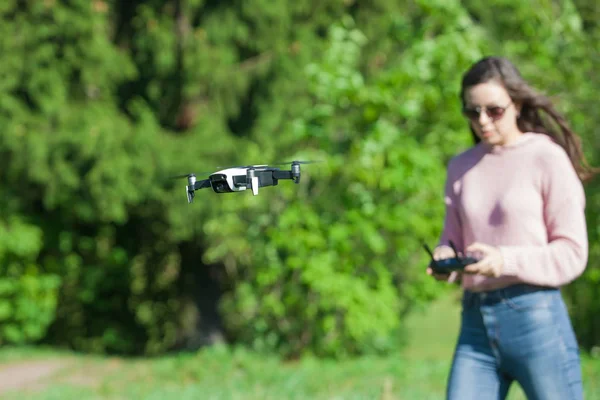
pixel 564 257
pixel 452 229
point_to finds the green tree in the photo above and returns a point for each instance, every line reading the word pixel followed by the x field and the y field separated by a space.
pixel 102 100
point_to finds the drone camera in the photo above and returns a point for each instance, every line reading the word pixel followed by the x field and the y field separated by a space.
pixel 219 183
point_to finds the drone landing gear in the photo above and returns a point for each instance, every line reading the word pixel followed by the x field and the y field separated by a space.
pixel 252 181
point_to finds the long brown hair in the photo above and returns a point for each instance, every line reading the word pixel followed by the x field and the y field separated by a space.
pixel 501 70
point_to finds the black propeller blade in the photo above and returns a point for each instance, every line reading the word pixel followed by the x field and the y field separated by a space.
pixel 296 162
pixel 197 174
pixel 243 166
pixel 181 176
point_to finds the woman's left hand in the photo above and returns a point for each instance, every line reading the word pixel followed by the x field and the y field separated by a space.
pixel 491 262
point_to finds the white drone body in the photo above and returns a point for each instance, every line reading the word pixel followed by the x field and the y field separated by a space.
pixel 233 184
pixel 238 179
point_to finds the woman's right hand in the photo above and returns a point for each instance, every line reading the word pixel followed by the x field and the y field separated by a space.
pixel 440 253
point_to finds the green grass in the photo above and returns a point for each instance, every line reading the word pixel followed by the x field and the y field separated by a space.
pixel 419 372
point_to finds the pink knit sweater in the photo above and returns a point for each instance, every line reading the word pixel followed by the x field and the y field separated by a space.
pixel 524 198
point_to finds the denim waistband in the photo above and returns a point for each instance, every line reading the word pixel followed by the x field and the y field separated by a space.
pixel 497 295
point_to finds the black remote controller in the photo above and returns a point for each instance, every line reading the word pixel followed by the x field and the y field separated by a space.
pixel 447 265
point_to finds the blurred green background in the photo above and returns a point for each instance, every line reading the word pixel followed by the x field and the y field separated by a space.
pixel 101 101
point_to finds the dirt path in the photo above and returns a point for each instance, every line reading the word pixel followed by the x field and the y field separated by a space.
pixel 29 374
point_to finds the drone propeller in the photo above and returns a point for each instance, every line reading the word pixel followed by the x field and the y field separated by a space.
pixel 190 174
pixel 296 162
pixel 181 176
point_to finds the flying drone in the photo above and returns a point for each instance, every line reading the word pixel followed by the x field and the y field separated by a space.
pixel 238 179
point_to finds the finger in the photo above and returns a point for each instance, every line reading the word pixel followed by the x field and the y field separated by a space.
pixel 483 267
pixel 434 274
pixel 474 268
pixel 478 247
pixel 439 277
pixel 443 256
pixel 478 250
pixel 443 252
pixel 453 277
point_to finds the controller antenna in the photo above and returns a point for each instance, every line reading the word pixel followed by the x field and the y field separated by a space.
pixel 430 254
pixel 453 249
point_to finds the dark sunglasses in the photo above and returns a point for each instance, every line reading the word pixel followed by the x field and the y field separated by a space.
pixel 493 112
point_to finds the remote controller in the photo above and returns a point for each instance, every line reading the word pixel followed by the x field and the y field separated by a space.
pixel 445 266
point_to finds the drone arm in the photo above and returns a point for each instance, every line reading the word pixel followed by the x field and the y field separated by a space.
pixel 293 174
pixel 205 183
pixel 282 174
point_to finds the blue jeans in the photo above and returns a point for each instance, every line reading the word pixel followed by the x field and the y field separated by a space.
pixel 521 333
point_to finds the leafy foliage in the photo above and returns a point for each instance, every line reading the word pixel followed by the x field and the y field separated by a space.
pixel 101 101
pixel 336 279
pixel 28 296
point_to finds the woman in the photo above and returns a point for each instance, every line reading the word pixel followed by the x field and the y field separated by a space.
pixel 515 201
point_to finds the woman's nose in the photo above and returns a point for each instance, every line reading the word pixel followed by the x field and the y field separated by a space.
pixel 483 117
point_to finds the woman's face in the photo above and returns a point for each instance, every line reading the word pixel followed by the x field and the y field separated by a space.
pixel 492 113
